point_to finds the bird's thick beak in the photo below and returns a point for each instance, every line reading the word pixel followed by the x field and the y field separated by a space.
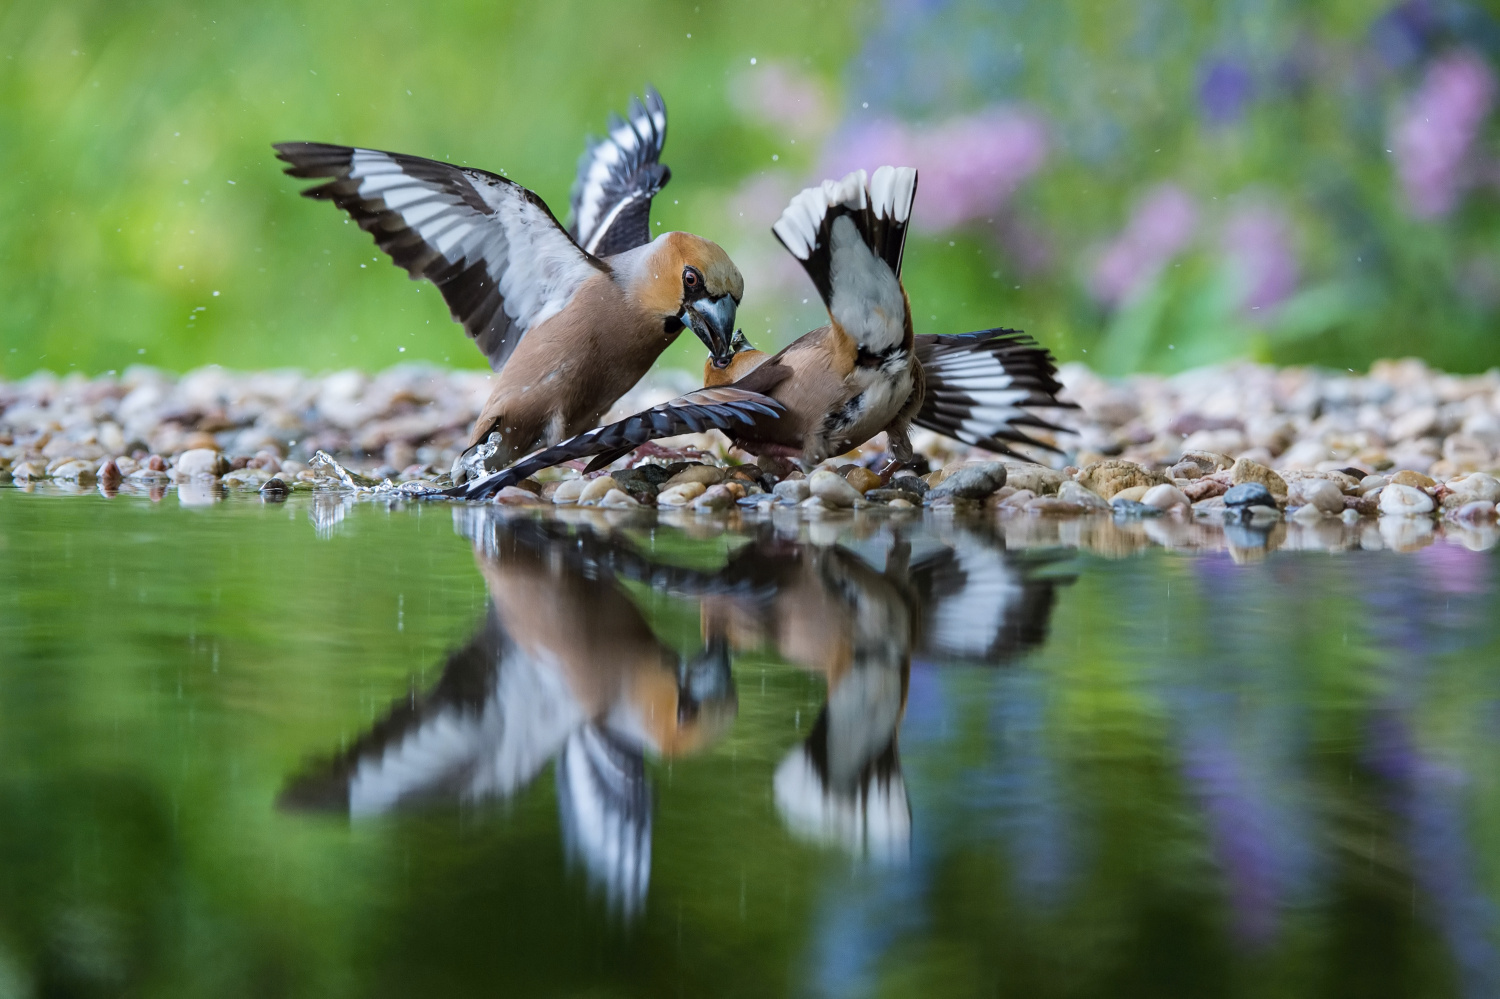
pixel 712 319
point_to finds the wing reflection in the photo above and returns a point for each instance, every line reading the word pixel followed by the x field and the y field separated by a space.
pixel 564 667
pixel 566 670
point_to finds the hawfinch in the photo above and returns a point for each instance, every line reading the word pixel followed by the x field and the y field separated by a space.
pixel 863 373
pixel 569 318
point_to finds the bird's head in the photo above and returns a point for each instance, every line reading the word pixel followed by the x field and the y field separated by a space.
pixel 693 283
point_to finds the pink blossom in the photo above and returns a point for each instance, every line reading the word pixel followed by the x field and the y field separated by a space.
pixel 1257 246
pixel 1435 128
pixel 784 97
pixel 1160 227
pixel 968 166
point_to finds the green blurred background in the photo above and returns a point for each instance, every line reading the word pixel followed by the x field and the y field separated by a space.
pixel 1151 184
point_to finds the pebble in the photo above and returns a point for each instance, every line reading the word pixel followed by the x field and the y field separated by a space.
pixel 569 490
pixel 596 490
pixel 1186 470
pixel 680 495
pixel 901 504
pixel 832 489
pixel 792 491
pixel 247 478
pixel 1398 500
pixel 1245 471
pixel 909 483
pixel 862 478
pixel 1017 500
pixel 617 499
pixel 1132 495
pixel 1477 487
pixel 28 471
pixel 1414 480
pixel 76 470
pixel 1080 495
pixel 1321 494
pixel 1308 513
pixel 705 475
pixel 1475 512
pixel 1040 479
pixel 718 497
pixel 1248 494
pixel 974 480
pixel 1133 508
pixel 515 496
pixel 109 474
pixel 1166 497
pixel 200 461
pixel 1056 506
pixel 1108 477
pixel 273 490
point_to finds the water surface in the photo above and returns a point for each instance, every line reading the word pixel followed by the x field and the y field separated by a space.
pixel 337 749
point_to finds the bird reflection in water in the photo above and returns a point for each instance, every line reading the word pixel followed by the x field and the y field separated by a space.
pixel 566 668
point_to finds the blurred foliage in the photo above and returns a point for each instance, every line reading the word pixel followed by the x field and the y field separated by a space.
pixel 147 221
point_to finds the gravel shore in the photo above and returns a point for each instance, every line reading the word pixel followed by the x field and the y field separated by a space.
pixel 1293 450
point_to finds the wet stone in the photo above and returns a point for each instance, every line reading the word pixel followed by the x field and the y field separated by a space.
pixel 792 491
pixel 973 481
pixel 1079 495
pixel 1248 494
pixel 1132 508
pixel 1397 500
pixel 862 478
pixel 909 483
pixel 832 489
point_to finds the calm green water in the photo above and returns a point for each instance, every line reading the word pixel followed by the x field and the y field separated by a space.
pixel 254 750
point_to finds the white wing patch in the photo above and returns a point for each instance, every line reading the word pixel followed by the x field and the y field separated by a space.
pixel 966 623
pixel 801 223
pixel 494 751
pixel 988 390
pixel 617 176
pixel 502 262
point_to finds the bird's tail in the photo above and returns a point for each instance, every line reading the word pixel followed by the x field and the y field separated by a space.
pixel 879 206
pixel 724 408
pixel 980 385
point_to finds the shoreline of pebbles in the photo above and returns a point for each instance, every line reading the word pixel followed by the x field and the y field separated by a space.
pixel 1245 446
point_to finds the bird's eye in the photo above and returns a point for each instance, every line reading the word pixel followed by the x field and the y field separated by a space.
pixel 691 279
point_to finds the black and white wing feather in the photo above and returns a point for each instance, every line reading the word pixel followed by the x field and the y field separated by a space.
pixel 879 208
pixel 979 386
pixel 849 236
pixel 724 408
pixel 494 249
pixel 618 176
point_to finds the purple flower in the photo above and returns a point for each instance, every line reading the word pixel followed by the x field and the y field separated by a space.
pixel 1257 246
pixel 969 166
pixel 783 97
pixel 1160 227
pixel 1224 89
pixel 1435 129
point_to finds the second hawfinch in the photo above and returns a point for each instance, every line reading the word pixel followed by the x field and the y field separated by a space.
pixel 863 373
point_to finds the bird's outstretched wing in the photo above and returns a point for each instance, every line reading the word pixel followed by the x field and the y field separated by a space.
pixel 978 385
pixel 618 176
pixel 726 408
pixel 879 207
pixel 494 249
